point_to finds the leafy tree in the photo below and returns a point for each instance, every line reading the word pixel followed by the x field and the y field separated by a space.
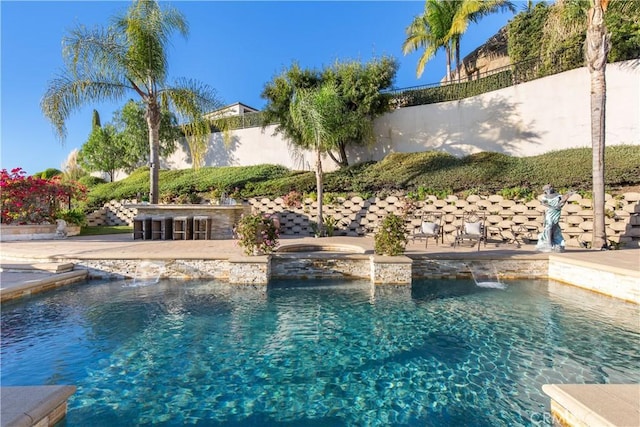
pixel 624 25
pixel 129 56
pixel 132 129
pixel 358 87
pixel 315 114
pixel 523 29
pixel 359 90
pixel 103 151
pixel 556 33
pixel 562 39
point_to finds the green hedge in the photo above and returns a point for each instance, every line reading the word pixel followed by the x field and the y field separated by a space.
pixel 420 173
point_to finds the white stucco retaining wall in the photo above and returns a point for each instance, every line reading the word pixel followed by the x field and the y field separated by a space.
pixel 247 147
pixel 528 119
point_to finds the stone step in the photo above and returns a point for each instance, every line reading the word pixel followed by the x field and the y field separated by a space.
pixel 51 267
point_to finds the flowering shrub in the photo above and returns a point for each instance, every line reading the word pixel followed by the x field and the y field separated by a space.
pixel 293 199
pixel 257 234
pixel 391 238
pixel 34 200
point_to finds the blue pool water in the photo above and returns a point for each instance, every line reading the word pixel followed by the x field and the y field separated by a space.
pixel 442 353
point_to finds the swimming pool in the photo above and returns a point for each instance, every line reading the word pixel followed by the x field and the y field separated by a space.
pixel 316 353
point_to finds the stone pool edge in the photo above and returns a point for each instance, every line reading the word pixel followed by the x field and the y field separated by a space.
pixel 41 406
pixel 604 277
pixel 598 405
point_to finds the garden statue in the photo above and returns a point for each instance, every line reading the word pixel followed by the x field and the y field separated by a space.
pixel 61 228
pixel 551 240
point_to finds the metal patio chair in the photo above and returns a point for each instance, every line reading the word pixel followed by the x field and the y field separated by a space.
pixel 430 228
pixel 472 229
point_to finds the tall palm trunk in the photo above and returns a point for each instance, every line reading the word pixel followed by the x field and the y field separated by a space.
pixel 319 185
pixel 448 54
pixel 458 65
pixel 153 122
pixel 597 44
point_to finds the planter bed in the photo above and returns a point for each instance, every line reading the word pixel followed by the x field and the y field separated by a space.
pixel 34 232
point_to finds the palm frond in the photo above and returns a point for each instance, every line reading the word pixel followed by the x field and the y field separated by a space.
pixel 191 99
pixel 68 93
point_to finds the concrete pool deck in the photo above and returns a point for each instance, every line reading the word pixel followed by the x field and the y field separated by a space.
pixel 35 266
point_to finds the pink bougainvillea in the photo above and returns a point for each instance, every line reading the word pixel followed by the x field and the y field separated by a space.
pixel 33 200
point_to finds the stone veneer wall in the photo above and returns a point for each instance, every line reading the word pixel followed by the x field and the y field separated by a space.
pixel 320 266
pixel 261 269
pixel 152 269
pixel 356 216
pixel 428 268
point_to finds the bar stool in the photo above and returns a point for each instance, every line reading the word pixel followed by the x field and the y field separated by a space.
pixel 201 227
pixel 182 228
pixel 142 227
pixel 161 228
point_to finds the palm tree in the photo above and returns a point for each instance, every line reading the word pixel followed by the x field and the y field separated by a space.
pixel 315 113
pixel 597 47
pixel 430 31
pixel 442 25
pixel 471 11
pixel 129 56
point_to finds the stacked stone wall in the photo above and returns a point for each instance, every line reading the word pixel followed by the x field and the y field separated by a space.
pixel 113 213
pixel 356 216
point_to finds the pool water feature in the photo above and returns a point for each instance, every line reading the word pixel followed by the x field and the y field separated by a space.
pixel 484 279
pixel 316 353
pixel 148 272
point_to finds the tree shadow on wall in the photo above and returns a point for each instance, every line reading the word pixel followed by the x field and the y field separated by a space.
pixel 220 151
pixel 459 128
pixel 631 65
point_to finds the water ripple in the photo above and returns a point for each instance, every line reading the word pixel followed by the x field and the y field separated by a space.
pixel 315 353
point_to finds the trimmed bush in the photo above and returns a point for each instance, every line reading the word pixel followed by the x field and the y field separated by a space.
pixel 413 173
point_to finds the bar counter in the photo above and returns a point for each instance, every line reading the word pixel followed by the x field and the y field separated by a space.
pixel 223 217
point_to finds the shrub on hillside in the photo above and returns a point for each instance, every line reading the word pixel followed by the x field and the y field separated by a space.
pixel 48 173
pixel 90 181
pixel 303 182
pixel 439 173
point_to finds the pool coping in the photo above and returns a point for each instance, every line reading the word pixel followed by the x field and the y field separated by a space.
pixel 34 405
pixel 597 405
pixel 32 283
pixel 600 272
pixel 106 256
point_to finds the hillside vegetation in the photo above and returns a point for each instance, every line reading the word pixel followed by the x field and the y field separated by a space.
pixel 418 174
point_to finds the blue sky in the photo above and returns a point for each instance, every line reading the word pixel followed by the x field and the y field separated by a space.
pixel 235 47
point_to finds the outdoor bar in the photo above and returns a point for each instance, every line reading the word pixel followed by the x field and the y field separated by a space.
pixel 158 222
